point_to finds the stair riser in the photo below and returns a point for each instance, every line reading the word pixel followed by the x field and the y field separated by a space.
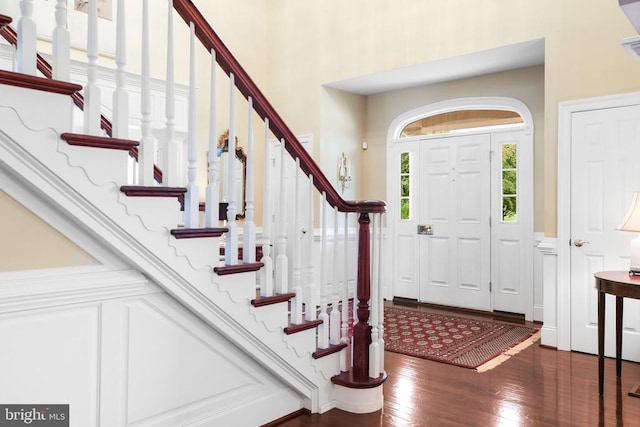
pixel 202 253
pixel 102 166
pixel 239 287
pixel 37 109
pixel 274 316
pixel 156 213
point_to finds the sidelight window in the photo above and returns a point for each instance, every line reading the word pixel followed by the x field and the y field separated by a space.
pixel 405 185
pixel 509 182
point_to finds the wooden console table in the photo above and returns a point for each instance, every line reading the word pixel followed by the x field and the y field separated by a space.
pixel 620 284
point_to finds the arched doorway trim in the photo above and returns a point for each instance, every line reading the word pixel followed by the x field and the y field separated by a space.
pixel 526 129
pixel 458 104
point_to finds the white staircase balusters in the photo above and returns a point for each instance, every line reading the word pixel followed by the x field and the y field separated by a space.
pixel 120 118
pixel 249 230
pixel 231 242
pixel 191 198
pixel 374 347
pixel 311 296
pixel 323 330
pixel 170 153
pixel 332 294
pixel 334 315
pixel 345 360
pixel 296 303
pixel 62 44
pixel 146 150
pixel 212 192
pixel 26 53
pixel 92 92
pixel 266 273
pixel 282 261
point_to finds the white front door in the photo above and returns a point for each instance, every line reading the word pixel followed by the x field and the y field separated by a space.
pixel 454 194
pixel 605 148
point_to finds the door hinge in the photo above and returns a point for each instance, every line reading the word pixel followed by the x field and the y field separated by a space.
pixel 489 220
pixel 490 286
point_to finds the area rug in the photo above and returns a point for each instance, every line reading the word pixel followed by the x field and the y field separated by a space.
pixel 470 343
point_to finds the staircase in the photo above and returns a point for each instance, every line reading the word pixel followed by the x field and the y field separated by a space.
pixel 293 319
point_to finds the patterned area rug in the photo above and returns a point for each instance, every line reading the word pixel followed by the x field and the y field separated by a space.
pixel 470 343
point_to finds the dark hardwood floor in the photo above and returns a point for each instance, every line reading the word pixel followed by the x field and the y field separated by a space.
pixel 538 387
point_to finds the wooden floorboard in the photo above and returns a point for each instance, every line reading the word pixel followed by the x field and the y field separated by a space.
pixel 538 387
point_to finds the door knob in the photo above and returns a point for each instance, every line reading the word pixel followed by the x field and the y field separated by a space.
pixel 579 242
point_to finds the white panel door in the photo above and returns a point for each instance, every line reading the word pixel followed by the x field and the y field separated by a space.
pixel 605 148
pixel 512 270
pixel 406 250
pixel 455 202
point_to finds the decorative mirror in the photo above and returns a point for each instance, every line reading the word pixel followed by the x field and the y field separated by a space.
pixel 241 174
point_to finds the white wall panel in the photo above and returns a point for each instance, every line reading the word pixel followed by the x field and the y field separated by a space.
pixel 50 356
pixel 122 353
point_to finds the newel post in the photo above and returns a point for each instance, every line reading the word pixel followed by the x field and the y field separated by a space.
pixel 355 391
pixel 362 329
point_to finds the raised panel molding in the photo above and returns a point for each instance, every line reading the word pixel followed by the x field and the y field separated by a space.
pixel 51 356
pixel 122 352
pixel 177 366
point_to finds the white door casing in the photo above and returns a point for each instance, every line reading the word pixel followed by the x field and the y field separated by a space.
pixel 562 289
pixel 405 268
pixel 605 146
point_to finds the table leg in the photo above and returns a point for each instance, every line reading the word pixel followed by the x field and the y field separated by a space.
pixel 619 303
pixel 601 307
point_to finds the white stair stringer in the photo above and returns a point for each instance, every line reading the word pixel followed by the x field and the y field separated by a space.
pixel 31 157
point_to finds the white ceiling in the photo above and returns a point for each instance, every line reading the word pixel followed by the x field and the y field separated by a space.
pixel 519 55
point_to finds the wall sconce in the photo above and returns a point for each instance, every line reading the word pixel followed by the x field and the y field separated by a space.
pixel 631 222
pixel 344 172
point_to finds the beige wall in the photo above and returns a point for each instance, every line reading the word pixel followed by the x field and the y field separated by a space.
pixel 292 48
pixel 30 243
pixel 343 129
pixel 314 43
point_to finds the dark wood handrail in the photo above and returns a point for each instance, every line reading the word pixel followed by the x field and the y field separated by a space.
pixel 4 20
pixel 225 59
pixel 10 35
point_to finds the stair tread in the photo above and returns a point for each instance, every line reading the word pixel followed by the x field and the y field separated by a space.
pixel 99 141
pixel 192 233
pixel 152 191
pixel 38 83
pixel 241 267
pixel 305 325
pixel 333 348
pixel 274 299
pixel 348 379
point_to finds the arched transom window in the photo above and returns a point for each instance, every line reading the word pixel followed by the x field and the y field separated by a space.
pixel 461 119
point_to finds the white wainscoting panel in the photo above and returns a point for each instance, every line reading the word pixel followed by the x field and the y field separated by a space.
pixel 49 356
pixel 121 352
